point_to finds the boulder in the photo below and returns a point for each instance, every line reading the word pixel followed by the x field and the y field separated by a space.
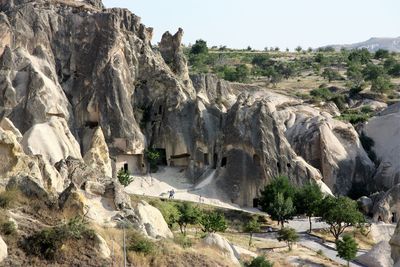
pixel 96 153
pixel 386 145
pixel 378 256
pixel 102 247
pixel 3 250
pixel 95 188
pixel 53 140
pixel 151 221
pixel 7 125
pixel 387 209
pixel 366 204
pixel 220 243
pixel 72 202
pixel 395 245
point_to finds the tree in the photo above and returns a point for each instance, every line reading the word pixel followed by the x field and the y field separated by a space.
pixel 252 227
pixel 289 235
pixel 261 60
pixel 372 71
pixel 340 213
pixel 279 184
pixel 362 56
pixel 331 74
pixel 354 74
pixel 200 47
pixel 381 84
pixel 259 261
pixel 187 215
pixel 213 222
pixel 299 49
pixel 347 248
pixel 153 157
pixel 308 200
pixel 124 178
pixel 381 54
pixel 281 209
pixel 274 76
pixel 242 73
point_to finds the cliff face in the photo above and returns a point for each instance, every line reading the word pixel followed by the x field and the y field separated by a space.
pixel 89 67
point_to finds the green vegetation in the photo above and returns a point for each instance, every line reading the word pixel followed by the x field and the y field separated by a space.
pixel 331 74
pixel 347 248
pixel 253 226
pixel 124 178
pixel 289 235
pixel 152 156
pixel 340 213
pixel 259 261
pixel 277 200
pixel 355 116
pixel 139 243
pixel 308 200
pixel 212 222
pixel 187 214
pixel 7 228
pixel 48 242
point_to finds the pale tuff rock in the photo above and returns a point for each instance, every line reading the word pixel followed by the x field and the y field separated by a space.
pixel 386 145
pixel 103 248
pixel 387 209
pixel 151 221
pixel 218 242
pixel 378 256
pixel 97 156
pixel 3 250
pixel 395 245
pixel 53 140
pixel 7 125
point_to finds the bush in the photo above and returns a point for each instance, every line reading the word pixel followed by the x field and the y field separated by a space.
pixel 260 261
pixel 168 209
pixel 183 241
pixel 213 222
pixel 200 47
pixel 124 178
pixel 289 235
pixel 321 93
pixel 48 242
pixel 139 243
pixel 153 156
pixel 8 228
pixel 381 84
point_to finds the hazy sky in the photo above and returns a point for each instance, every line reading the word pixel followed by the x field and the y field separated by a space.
pixel 265 23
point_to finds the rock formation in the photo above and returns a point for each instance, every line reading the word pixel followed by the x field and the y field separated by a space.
pixel 387 209
pixel 378 256
pixel 386 145
pixel 3 250
pixel 395 245
pixel 73 70
pixel 220 243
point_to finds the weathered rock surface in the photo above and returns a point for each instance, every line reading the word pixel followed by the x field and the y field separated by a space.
pixel 395 245
pixel 3 250
pixel 53 140
pixel 103 248
pixel 76 64
pixel 218 242
pixel 378 256
pixel 96 154
pixel 387 209
pixel 151 221
pixel 386 145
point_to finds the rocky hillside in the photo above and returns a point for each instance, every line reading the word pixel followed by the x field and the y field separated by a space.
pixel 67 68
pixel 83 93
pixel 374 44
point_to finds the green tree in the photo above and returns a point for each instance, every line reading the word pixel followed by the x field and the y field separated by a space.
pixel 381 84
pixel 212 222
pixel 200 47
pixel 331 74
pixel 381 54
pixel 308 200
pixel 242 73
pixel 347 248
pixel 362 56
pixel 261 60
pixel 153 156
pixel 259 261
pixel 299 49
pixel 279 184
pixel 372 71
pixel 340 213
pixel 274 76
pixel 187 215
pixel 354 74
pixel 252 227
pixel 281 209
pixel 124 178
pixel 289 235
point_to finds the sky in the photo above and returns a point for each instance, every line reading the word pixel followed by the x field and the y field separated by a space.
pixel 266 23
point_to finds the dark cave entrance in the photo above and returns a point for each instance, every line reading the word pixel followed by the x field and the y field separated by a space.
pixel 126 167
pixel 256 202
pixel 223 162
pixel 206 161
pixel 163 156
pixel 215 160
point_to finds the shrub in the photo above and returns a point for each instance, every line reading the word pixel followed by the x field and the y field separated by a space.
pixel 183 241
pixel 260 261
pixel 321 93
pixel 347 248
pixel 331 74
pixel 213 222
pixel 8 228
pixel 140 244
pixel 168 209
pixel 124 178
pixel 200 47
pixel 381 84
pixel 153 156
pixel 289 235
pixel 48 242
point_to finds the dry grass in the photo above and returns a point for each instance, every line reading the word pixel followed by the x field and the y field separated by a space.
pixel 364 242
